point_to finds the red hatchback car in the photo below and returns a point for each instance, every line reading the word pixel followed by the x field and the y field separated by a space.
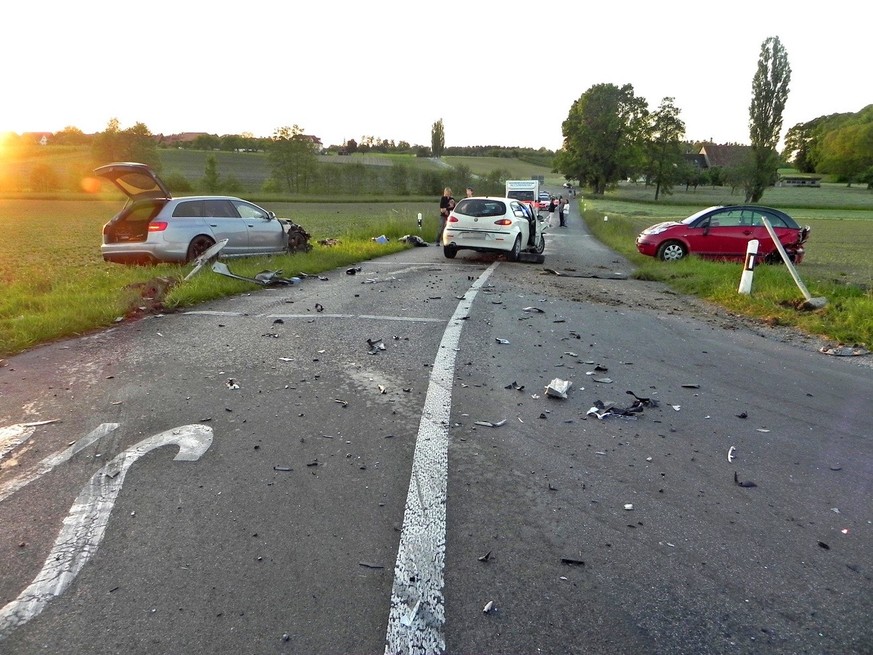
pixel 723 233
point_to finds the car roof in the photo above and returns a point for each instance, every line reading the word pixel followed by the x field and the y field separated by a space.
pixel 136 181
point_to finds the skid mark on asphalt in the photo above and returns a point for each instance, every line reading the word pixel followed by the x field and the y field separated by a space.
pixel 86 523
pixel 417 617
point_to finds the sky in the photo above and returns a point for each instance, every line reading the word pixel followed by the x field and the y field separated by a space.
pixel 496 72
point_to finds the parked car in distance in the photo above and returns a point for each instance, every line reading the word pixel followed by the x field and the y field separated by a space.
pixel 155 227
pixel 493 224
pixel 723 232
pixel 544 200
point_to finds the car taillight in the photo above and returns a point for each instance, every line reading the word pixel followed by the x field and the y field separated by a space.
pixel 157 226
pixel 503 221
pixel 453 219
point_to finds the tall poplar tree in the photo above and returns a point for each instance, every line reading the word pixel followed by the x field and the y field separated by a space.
pixel 769 95
pixel 438 139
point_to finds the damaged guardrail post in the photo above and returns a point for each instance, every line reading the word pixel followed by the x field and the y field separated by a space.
pixel 810 302
pixel 749 267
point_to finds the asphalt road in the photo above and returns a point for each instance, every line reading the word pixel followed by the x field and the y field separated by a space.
pixel 332 496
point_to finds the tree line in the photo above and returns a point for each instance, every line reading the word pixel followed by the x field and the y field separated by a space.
pixel 838 144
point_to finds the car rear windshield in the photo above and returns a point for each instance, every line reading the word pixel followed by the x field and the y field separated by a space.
pixel 480 208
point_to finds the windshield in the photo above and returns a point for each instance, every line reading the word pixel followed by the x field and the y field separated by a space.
pixel 696 215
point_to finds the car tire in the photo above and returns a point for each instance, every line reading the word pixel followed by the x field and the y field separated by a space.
pixel 450 252
pixel 775 258
pixel 198 246
pixel 515 253
pixel 540 245
pixel 671 251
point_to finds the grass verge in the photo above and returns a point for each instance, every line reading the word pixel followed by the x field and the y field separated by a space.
pixel 842 274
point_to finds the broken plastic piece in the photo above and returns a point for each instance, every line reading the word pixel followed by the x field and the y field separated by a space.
pixel 489 606
pixel 514 385
pixel 282 468
pixel 231 384
pixel 375 345
pixel 502 341
pixel 558 388
pixel 485 557
pixel 730 455
pixel 534 310
pixel 572 561
pixel 381 239
pixel 844 351
pixel 743 483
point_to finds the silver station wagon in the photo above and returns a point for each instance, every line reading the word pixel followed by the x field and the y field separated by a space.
pixel 155 227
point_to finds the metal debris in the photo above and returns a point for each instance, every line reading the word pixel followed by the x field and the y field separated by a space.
pixel 572 561
pixel 231 384
pixel 501 341
pixel 485 557
pixel 371 565
pixel 264 278
pixel 534 310
pixel 515 385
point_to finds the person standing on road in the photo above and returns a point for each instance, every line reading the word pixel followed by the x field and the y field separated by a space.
pixel 562 203
pixel 447 204
pixel 552 204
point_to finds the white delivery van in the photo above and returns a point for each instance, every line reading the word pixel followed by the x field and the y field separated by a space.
pixel 528 191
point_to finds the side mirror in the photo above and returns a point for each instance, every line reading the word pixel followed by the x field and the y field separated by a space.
pixel 271 216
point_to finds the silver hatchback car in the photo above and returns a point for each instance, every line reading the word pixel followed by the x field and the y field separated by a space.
pixel 155 227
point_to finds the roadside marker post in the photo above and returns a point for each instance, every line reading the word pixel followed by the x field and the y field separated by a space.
pixel 749 267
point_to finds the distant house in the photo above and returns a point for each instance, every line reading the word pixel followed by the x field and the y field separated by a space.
pixel 799 181
pixel 317 145
pixel 728 156
pixel 177 139
pixel 40 138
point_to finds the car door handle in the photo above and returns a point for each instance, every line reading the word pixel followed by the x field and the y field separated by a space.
pixel 747 232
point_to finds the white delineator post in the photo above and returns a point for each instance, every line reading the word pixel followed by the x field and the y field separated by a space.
pixel 749 267
pixel 419 221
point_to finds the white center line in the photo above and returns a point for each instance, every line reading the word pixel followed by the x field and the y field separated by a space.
pixel 417 617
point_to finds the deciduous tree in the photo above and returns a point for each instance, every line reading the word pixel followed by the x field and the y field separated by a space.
pixel 769 95
pixel 665 146
pixel 604 134
pixel 292 157
pixel 135 144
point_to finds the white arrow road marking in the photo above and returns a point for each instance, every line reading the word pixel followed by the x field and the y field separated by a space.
pixel 415 624
pixel 46 465
pixel 13 436
pixel 86 523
